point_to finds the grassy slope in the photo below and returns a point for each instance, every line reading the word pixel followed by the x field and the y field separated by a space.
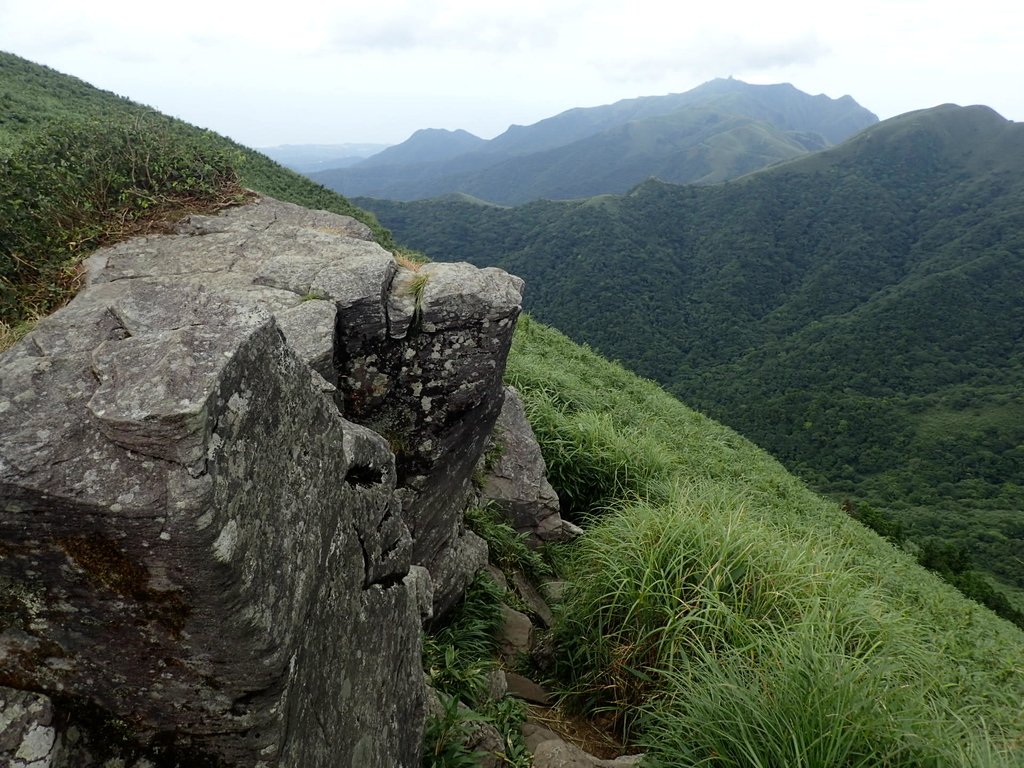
pixel 32 95
pixel 616 442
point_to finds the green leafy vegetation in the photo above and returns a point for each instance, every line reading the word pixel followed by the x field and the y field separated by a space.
pixel 78 184
pixel 857 313
pixel 507 548
pixel 458 657
pixel 723 614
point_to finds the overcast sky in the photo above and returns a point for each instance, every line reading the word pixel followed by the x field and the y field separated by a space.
pixel 375 71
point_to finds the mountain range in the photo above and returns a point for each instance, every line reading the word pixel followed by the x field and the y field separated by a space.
pixel 717 131
pixel 308 158
pixel 859 312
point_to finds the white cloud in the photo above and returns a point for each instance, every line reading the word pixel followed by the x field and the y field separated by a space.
pixel 317 71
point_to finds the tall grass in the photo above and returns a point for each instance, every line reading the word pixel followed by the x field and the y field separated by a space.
pixel 722 614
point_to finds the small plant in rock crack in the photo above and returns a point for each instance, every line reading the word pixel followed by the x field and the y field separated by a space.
pixel 415 288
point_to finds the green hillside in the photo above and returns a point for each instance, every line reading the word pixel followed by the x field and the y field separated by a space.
pixel 717 612
pixel 724 615
pixel 33 97
pixel 858 313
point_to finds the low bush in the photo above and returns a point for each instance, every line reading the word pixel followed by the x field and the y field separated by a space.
pixel 74 184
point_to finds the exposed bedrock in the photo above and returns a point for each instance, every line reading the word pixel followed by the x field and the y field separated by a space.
pixel 198 541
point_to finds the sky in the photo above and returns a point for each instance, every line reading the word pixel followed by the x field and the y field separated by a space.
pixel 312 72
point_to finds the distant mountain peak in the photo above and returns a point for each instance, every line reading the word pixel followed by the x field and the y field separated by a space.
pixel 427 145
pixel 719 130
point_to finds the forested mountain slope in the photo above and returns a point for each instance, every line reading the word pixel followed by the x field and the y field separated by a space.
pixel 717 131
pixel 859 312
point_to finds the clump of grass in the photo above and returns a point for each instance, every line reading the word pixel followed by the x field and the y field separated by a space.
pixel 722 614
pixel 411 260
pixel 508 548
pixel 11 335
pixel 471 630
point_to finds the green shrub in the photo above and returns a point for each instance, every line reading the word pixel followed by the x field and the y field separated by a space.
pixel 73 185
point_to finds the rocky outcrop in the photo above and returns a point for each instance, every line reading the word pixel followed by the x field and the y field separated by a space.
pixel 197 539
pixel 515 478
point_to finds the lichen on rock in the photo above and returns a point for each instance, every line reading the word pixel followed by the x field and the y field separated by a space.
pixel 202 534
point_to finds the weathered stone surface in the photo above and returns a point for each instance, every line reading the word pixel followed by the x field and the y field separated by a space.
pixel 455 569
pixel 498 576
pixel 515 635
pixel 422 586
pixel 515 477
pixel 532 599
pixel 551 751
pixel 416 356
pixel 428 378
pixel 193 538
pixel 28 734
pixel 524 688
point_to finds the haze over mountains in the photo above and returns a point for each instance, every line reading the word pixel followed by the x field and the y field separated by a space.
pixel 307 158
pixel 717 131
pixel 859 312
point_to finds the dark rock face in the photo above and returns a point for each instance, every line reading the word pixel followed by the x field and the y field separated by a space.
pixel 426 374
pixel 193 538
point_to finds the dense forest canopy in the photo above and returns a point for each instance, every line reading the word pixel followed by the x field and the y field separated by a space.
pixel 858 312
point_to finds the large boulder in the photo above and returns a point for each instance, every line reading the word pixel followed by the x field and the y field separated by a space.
pixel 197 541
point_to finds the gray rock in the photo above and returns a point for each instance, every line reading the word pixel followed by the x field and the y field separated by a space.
pixel 196 536
pixel 455 568
pixel 498 576
pixel 551 751
pixel 422 586
pixel 524 688
pixel 497 685
pixel 28 733
pixel 426 374
pixel 515 635
pixel 515 478
pixel 532 599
